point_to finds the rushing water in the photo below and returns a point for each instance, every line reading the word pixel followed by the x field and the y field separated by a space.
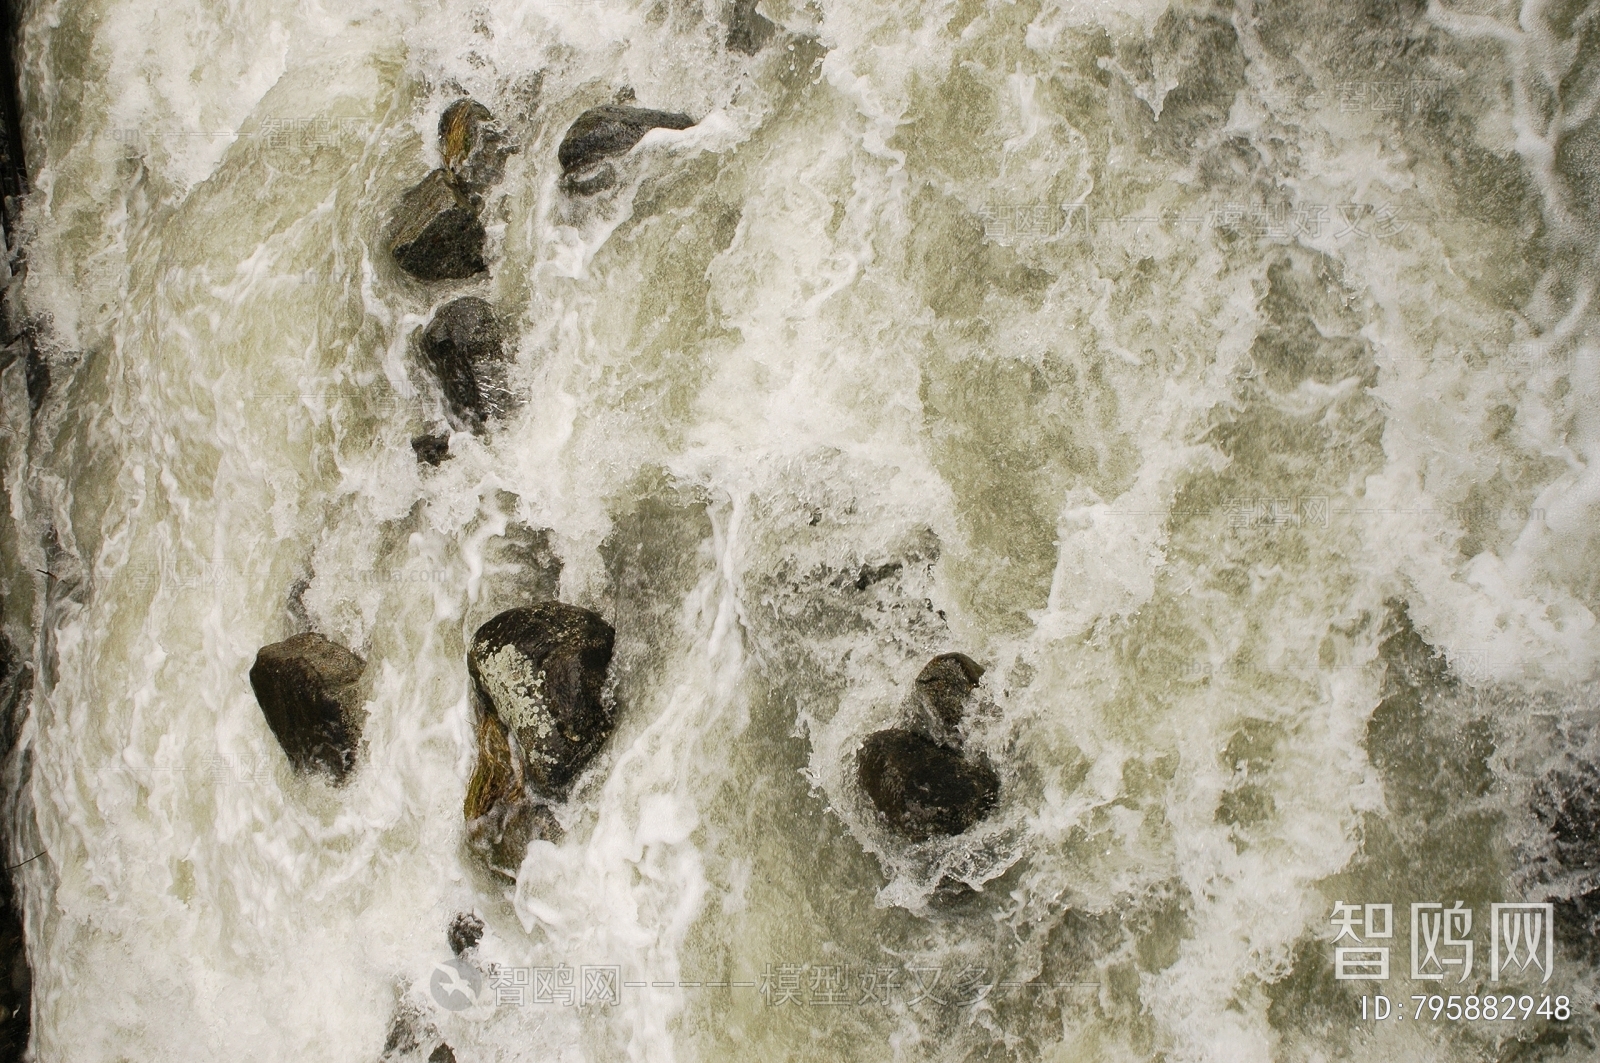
pixel 1225 379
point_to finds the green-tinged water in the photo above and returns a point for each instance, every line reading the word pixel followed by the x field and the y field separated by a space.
pixel 1223 379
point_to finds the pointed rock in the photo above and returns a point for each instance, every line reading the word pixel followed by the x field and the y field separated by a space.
pixel 602 132
pixel 435 234
pixel 309 691
pixel 464 347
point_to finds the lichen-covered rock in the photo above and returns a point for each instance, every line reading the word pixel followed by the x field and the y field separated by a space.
pixel 541 671
pixel 748 29
pixel 943 690
pixel 309 691
pixel 473 147
pixel 602 132
pixel 924 789
pixel 465 349
pixel 435 233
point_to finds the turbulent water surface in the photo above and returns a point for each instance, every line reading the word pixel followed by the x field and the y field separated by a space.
pixel 1224 378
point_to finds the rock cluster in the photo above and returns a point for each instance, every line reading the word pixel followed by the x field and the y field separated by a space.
pixel 918 777
pixel 309 691
pixel 436 233
pixel 539 676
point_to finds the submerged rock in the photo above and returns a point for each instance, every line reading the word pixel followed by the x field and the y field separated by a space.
pixel 541 672
pixel 924 789
pixel 435 233
pixel 473 147
pixel 464 347
pixel 410 1034
pixel 916 775
pixel 748 29
pixel 431 449
pixel 943 688
pixel 601 132
pixel 309 691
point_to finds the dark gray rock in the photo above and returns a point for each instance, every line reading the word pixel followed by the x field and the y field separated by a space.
pixel 541 672
pixel 465 349
pixel 435 233
pixel 431 449
pixel 602 132
pixel 473 146
pixel 944 688
pixel 924 789
pixel 309 691
pixel 443 1054
pixel 748 29
pixel 466 930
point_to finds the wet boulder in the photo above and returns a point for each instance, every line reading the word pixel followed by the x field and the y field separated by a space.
pixel 309 691
pixel 541 672
pixel 465 349
pixel 924 789
pixel 602 132
pixel 435 233
pixel 943 690
pixel 473 146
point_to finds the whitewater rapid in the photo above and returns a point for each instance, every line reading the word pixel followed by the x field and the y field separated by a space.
pixel 1223 378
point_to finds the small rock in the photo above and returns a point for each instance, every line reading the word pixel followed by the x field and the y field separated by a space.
pixel 465 349
pixel 473 146
pixel 541 671
pixel 435 234
pixel 924 789
pixel 601 132
pixel 431 449
pixel 308 689
pixel 466 930
pixel 442 1054
pixel 943 687
pixel 748 29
